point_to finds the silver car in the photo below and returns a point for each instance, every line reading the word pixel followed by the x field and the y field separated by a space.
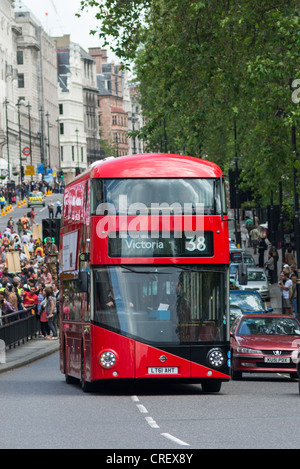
pixel 256 281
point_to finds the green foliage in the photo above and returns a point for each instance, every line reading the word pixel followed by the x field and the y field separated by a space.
pixel 202 66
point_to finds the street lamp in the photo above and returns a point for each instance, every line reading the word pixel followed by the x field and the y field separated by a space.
pixel 6 102
pixel 29 129
pixel 19 104
pixel 48 126
pixel 77 151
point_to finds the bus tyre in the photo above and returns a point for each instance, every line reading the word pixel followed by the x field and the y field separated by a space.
pixel 211 386
pixel 85 385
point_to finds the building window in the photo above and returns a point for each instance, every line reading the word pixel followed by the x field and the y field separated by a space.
pixel 82 154
pixel 62 153
pixel 73 157
pixel 61 128
pixel 20 57
pixel 21 82
pixel 61 108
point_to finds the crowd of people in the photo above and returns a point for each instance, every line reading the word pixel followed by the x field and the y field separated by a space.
pixel 284 275
pixel 33 288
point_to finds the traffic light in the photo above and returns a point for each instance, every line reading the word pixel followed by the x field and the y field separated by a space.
pixel 61 174
pixel 50 229
pixel 77 171
pixel 22 173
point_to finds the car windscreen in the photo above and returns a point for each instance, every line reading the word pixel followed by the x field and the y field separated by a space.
pixel 247 302
pixel 268 326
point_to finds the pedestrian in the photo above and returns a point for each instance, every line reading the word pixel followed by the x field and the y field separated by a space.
pixel 293 294
pixel 275 255
pixel 58 208
pixel 25 222
pixel 51 257
pixel 32 215
pixel 10 224
pixel 51 209
pixel 6 307
pixel 270 267
pixel 46 277
pixel 45 330
pixel 30 298
pixel 20 227
pixel 254 235
pixel 290 258
pixel 50 307
pixel 11 296
pixel 285 284
pixel 262 247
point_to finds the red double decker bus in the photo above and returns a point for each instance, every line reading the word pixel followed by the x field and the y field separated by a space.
pixel 144 276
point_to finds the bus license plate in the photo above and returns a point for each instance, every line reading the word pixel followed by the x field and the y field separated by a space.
pixel 277 360
pixel 162 370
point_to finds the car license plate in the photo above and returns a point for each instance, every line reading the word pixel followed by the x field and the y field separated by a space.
pixel 277 360
pixel 162 370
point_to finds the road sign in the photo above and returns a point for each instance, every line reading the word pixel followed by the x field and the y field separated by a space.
pixel 26 151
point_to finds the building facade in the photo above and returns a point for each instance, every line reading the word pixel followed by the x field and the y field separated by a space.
pixel 37 96
pixel 77 96
pixel 113 118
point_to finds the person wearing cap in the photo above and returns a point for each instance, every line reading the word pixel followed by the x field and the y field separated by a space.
pixel 51 257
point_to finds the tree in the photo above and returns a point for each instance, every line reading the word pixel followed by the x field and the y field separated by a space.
pixel 206 67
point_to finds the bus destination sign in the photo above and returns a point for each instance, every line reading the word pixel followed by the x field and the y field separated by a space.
pixel 143 246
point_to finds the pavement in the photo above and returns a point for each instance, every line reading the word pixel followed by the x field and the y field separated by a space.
pixel 26 353
pixel 38 348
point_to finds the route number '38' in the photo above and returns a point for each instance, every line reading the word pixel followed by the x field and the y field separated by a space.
pixel 195 243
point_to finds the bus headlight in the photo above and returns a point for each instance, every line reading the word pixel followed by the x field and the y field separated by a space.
pixel 107 359
pixel 216 357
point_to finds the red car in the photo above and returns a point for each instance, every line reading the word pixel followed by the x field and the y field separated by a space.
pixel 264 343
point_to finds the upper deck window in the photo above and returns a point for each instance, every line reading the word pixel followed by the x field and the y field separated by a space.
pixel 123 195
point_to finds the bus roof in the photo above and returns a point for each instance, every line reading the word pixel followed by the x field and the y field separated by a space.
pixel 154 165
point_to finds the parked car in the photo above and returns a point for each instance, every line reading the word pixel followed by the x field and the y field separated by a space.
pixel 264 344
pixel 248 301
pixel 257 281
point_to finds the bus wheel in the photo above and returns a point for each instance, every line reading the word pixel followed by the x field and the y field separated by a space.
pixel 85 385
pixel 211 386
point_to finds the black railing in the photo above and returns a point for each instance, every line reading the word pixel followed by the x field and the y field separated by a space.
pixel 17 328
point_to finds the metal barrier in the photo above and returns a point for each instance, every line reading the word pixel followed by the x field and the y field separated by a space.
pixel 19 327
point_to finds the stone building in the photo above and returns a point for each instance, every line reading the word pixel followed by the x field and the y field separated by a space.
pixel 113 118
pixel 37 94
pixel 77 96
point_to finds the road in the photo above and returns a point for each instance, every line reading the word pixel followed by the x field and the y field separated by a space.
pixel 41 212
pixel 39 410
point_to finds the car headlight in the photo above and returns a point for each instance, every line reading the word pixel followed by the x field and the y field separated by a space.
pixel 107 359
pixel 248 350
pixel 216 357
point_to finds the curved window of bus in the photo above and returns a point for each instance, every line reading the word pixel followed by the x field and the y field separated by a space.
pixel 162 304
pixel 121 196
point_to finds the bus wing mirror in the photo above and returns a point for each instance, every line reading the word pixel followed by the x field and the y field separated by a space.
pixel 83 281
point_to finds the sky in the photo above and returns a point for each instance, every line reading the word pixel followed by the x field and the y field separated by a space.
pixel 60 19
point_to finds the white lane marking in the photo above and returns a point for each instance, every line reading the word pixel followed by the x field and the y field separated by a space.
pixel 174 439
pixel 43 209
pixel 142 409
pixel 151 422
pixel 135 399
